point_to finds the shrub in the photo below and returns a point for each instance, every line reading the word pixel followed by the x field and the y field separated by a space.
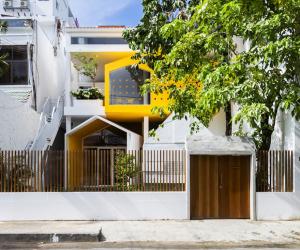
pixel 126 169
pixel 88 94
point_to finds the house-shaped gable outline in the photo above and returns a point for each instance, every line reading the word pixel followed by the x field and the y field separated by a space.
pixel 94 124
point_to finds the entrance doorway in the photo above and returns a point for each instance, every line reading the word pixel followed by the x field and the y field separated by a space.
pixel 220 187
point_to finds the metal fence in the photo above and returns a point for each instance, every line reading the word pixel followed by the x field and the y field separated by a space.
pixel 275 171
pixel 93 170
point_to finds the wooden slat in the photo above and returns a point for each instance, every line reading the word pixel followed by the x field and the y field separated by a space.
pixel 45 171
pixel 5 168
pixel 290 171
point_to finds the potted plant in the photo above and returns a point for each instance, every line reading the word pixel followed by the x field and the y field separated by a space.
pixel 86 67
pixel 88 97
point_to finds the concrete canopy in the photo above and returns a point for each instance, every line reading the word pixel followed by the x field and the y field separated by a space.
pixel 219 145
pixel 95 124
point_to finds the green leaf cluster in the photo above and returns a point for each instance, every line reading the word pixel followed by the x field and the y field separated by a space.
pixel 3 64
pixel 197 44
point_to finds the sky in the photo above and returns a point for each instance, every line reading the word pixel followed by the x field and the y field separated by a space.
pixel 107 12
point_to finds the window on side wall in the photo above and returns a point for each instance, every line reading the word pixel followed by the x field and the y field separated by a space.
pixel 125 86
pixel 16 71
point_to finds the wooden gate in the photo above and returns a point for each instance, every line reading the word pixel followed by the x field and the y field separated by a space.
pixel 220 187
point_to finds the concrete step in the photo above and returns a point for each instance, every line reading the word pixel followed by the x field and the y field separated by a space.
pixel 52 237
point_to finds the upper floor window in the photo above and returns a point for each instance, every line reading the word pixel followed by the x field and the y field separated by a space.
pixel 125 86
pixel 17 23
pixel 97 40
pixel 16 71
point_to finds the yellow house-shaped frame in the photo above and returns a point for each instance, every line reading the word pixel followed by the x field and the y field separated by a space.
pixel 130 112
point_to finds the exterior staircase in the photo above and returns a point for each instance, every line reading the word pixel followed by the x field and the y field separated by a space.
pixel 50 121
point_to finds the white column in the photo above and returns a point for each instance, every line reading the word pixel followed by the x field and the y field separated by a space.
pixel 68 81
pixel 68 124
pixel 146 127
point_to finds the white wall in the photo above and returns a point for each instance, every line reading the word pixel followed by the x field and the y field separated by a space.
pixel 278 206
pixel 18 123
pixel 93 206
pixel 50 70
pixel 16 36
pixel 134 141
pixel 218 124
pixel 35 8
pixel 283 137
pixel 40 8
pixel 283 206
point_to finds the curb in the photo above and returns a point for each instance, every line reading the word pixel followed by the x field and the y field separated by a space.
pixel 52 237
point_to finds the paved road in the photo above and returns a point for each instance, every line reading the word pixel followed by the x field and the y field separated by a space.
pixel 141 245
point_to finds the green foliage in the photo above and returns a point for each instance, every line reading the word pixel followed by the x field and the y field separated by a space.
pixel 195 44
pixel 85 65
pixel 88 94
pixel 3 26
pixel 3 64
pixel 126 169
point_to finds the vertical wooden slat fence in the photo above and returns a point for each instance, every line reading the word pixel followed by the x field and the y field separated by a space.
pixel 275 171
pixel 93 170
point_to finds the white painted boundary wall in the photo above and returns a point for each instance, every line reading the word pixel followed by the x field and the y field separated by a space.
pixel 93 206
pixel 283 206
pixel 278 206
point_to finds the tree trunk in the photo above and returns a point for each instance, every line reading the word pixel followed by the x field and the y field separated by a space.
pixel 227 110
pixel 266 133
pixel 262 172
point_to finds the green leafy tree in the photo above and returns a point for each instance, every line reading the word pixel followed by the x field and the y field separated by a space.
pixel 195 46
pixel 86 66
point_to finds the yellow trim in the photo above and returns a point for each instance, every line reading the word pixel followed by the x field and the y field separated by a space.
pixel 130 112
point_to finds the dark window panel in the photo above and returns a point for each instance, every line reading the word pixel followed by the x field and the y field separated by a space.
pixel 19 53
pixel 17 71
pixel 5 78
pixel 20 73
pixel 13 23
pixel 106 137
pixel 125 84
pixel 7 51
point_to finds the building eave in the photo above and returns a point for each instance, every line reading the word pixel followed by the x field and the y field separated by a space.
pixel 74 30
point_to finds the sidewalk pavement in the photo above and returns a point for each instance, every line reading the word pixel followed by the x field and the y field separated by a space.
pixel 186 233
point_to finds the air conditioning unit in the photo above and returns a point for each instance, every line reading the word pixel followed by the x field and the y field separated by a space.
pixel 24 4
pixel 8 4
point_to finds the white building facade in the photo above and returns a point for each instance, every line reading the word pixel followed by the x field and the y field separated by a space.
pixel 35 49
pixel 41 42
